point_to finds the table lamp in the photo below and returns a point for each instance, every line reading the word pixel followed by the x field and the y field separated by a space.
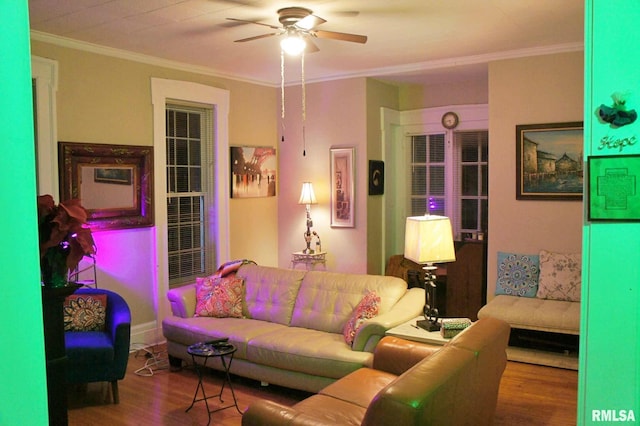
pixel 308 197
pixel 427 240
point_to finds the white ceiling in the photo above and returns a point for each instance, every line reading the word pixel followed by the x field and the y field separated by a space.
pixel 408 40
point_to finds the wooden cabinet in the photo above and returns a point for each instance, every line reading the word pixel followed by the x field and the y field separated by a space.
pixel 467 280
pixel 461 285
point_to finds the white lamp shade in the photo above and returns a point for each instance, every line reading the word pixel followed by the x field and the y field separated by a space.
pixel 307 196
pixel 428 239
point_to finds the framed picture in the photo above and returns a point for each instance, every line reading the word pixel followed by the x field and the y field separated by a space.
pixel 253 171
pixel 376 177
pixel 115 175
pixel 549 161
pixel 342 188
pixel 114 182
pixel 613 187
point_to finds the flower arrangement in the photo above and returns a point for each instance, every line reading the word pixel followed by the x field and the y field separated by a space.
pixel 64 239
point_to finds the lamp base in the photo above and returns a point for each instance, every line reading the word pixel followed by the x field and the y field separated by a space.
pixel 428 325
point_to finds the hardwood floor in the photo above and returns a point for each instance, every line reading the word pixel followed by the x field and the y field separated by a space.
pixel 529 395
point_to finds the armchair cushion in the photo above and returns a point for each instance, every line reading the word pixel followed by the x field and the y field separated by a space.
pixel 89 347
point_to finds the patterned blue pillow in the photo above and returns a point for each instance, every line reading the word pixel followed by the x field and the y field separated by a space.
pixel 518 274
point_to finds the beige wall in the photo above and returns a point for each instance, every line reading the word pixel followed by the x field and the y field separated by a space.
pixel 378 95
pixel 462 92
pixel 541 89
pixel 336 118
pixel 104 99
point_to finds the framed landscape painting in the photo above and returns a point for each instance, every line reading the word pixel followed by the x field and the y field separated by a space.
pixel 549 161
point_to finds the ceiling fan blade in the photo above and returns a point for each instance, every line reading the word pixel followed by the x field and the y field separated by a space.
pixel 254 22
pixel 242 40
pixel 310 21
pixel 311 46
pixel 355 38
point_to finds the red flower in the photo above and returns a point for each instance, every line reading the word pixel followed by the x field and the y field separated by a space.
pixel 62 230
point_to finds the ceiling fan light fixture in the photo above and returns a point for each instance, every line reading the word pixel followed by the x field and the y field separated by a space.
pixel 293 44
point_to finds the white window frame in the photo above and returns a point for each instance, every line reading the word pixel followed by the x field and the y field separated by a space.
pixel 397 127
pixel 45 73
pixel 165 92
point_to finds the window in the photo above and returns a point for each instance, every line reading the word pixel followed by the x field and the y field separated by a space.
pixel 453 184
pixel 428 175
pixel 188 150
pixel 472 171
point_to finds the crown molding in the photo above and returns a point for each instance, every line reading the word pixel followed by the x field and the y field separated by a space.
pixel 137 57
pixel 459 61
pixel 374 72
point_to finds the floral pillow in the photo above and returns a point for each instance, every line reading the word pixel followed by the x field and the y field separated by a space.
pixel 517 274
pixel 219 297
pixel 366 309
pixel 560 276
pixel 85 312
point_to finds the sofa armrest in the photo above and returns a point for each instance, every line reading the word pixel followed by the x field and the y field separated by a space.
pixel 395 355
pixel 371 331
pixel 266 413
pixel 183 300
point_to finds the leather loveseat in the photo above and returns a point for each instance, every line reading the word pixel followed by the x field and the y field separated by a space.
pixel 408 384
pixel 291 330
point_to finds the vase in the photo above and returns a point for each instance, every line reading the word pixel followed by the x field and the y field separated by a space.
pixel 53 268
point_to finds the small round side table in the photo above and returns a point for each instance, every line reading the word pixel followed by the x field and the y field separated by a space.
pixel 225 352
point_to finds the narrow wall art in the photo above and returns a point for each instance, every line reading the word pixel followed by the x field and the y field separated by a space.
pixel 342 188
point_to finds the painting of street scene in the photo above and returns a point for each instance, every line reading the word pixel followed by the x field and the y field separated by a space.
pixel 550 161
pixel 253 171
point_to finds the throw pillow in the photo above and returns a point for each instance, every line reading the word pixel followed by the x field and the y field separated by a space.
pixel 560 276
pixel 85 312
pixel 517 274
pixel 366 309
pixel 219 297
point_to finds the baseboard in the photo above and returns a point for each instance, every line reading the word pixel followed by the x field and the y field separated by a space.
pixel 145 335
pixel 568 361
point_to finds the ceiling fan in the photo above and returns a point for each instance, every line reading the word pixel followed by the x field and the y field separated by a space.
pixel 301 23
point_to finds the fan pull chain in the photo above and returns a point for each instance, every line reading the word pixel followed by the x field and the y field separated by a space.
pixel 304 107
pixel 282 91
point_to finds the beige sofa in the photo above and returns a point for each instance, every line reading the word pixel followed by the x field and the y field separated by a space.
pixel 551 316
pixel 291 332
pixel 409 384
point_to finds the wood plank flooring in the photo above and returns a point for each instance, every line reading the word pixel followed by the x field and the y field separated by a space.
pixel 529 395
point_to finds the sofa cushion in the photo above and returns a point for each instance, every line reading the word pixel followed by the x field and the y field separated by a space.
pixel 85 312
pixel 219 297
pixel 560 276
pixel 325 410
pixel 517 274
pixel 306 351
pixel 359 387
pixel 534 314
pixel 366 309
pixel 270 293
pixel 240 331
pixel 326 300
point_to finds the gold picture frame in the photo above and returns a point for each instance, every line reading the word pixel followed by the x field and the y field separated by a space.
pixel 113 182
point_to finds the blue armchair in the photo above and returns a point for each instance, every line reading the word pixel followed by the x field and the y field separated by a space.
pixel 101 356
